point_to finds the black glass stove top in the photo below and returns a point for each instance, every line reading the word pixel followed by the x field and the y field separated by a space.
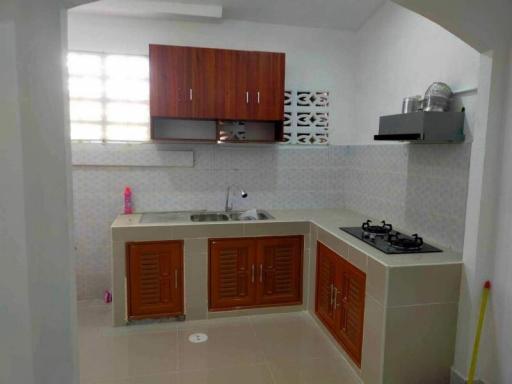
pixel 381 242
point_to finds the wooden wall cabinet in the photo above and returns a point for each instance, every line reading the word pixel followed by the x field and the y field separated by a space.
pixel 255 272
pixel 155 279
pixel 216 84
pixel 340 296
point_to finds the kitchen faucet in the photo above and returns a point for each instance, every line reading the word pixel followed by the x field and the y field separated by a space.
pixel 243 194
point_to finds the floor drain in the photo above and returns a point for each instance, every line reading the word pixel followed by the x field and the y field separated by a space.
pixel 198 338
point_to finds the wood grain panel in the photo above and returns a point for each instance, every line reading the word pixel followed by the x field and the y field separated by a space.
pixel 266 86
pixel 171 70
pixel 206 83
pixel 326 262
pixel 232 273
pixel 155 279
pixel 350 316
pixel 279 270
pixel 340 297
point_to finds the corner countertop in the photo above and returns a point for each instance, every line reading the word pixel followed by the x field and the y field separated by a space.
pixel 328 220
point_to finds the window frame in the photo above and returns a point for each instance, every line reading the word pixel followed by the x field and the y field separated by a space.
pixel 104 100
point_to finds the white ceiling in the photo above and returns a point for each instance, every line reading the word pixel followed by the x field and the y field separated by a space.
pixel 336 14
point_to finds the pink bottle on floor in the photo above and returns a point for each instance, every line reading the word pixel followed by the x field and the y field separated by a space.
pixel 128 206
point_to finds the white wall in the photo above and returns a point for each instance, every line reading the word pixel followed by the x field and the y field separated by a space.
pixel 316 59
pixel 399 54
pixel 485 25
pixel 37 299
pixel 496 353
pixel 15 332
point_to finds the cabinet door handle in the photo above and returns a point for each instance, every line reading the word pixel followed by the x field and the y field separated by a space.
pixel 176 279
pixel 191 95
pixel 261 273
pixel 258 97
pixel 335 298
pixel 247 97
pixel 252 273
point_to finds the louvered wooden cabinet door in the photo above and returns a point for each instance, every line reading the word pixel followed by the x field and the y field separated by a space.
pixel 279 270
pixel 232 277
pixel 350 284
pixel 155 279
pixel 326 264
pixel 339 301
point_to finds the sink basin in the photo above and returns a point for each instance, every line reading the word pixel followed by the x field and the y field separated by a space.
pixel 209 217
pixel 201 216
pixel 229 216
pixel 262 215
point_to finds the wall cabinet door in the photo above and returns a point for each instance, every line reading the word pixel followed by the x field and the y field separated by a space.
pixel 266 86
pixel 232 273
pixel 279 270
pixel 205 83
pixel 340 297
pixel 182 82
pixel 171 92
pixel 203 91
pixel 325 285
pixel 155 279
pixel 233 98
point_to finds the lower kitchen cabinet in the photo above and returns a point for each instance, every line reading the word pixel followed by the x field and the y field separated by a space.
pixel 339 304
pixel 255 272
pixel 155 279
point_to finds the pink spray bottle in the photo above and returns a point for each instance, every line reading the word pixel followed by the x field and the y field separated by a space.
pixel 128 206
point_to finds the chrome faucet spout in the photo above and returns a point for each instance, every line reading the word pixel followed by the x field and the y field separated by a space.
pixel 229 207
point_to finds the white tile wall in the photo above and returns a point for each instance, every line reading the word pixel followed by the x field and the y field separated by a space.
pixel 422 188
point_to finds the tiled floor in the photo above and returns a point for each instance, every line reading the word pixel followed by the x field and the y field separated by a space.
pixel 268 349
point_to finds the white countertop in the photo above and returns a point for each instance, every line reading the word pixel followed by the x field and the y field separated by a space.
pixel 327 219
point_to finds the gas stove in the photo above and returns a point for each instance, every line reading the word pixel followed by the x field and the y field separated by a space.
pixel 386 239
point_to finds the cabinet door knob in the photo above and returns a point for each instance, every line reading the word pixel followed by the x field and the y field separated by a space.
pixel 191 95
pixel 258 97
pixel 247 97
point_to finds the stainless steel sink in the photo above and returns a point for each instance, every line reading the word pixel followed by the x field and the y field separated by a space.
pixel 207 216
pixel 201 216
pixel 262 215
pixel 229 216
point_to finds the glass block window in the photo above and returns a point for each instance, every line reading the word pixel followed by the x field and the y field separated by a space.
pixel 109 97
pixel 306 117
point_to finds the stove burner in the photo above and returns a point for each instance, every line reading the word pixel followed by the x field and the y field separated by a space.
pixel 383 229
pixel 407 243
pixel 384 238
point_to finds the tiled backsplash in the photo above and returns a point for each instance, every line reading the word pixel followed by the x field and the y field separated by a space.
pixel 421 188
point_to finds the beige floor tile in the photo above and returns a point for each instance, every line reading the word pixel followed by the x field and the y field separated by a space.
pixel 165 378
pixel 313 371
pixel 230 343
pixel 260 349
pixel 246 374
pixel 258 374
pixel 122 356
pixel 292 337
